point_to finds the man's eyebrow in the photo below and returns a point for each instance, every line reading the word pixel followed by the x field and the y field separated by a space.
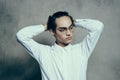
pixel 70 25
pixel 62 28
pixel 65 27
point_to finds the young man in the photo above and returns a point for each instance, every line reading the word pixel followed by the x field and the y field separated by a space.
pixel 62 61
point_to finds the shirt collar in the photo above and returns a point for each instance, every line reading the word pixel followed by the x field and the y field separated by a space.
pixel 68 47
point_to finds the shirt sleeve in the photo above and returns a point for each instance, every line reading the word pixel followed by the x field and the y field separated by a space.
pixel 94 28
pixel 24 37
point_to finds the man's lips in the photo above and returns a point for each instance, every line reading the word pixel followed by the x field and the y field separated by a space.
pixel 69 38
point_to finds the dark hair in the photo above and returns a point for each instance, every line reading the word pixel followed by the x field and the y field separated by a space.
pixel 51 19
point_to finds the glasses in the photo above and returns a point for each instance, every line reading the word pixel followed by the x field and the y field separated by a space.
pixel 64 29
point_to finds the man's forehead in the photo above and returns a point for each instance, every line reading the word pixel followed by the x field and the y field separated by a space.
pixel 63 21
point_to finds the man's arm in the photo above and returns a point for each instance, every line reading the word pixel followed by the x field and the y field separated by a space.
pixel 24 37
pixel 95 29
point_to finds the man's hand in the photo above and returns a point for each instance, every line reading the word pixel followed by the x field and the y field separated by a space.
pixel 45 25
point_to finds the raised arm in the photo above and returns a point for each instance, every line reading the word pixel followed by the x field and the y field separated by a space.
pixel 95 29
pixel 24 37
pixel 29 32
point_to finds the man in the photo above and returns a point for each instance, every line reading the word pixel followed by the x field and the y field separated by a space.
pixel 62 61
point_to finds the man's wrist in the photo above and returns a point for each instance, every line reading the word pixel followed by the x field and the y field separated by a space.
pixel 45 26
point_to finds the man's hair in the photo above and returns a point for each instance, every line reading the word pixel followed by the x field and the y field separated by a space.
pixel 51 25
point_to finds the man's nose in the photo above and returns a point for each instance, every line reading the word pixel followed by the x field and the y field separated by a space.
pixel 68 32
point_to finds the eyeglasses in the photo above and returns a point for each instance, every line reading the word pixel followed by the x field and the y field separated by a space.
pixel 64 29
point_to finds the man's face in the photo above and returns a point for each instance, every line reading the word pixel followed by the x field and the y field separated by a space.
pixel 64 31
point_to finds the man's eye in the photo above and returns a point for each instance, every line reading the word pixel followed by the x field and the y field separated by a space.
pixel 62 30
pixel 71 28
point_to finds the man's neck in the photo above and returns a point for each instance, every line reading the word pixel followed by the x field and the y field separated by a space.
pixel 61 44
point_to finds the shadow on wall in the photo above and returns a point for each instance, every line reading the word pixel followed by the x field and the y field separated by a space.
pixel 12 67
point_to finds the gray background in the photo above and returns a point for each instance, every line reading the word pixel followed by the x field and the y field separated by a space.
pixel 16 64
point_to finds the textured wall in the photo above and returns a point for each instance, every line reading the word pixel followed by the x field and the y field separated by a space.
pixel 16 64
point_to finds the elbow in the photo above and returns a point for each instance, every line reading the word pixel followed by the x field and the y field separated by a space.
pixel 19 37
pixel 99 25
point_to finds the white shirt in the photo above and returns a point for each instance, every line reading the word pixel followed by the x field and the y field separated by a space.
pixel 62 63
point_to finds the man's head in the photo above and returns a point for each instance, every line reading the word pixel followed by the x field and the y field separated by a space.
pixel 61 25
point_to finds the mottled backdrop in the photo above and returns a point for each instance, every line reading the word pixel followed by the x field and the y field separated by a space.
pixel 16 64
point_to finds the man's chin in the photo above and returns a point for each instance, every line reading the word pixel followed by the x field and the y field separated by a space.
pixel 68 42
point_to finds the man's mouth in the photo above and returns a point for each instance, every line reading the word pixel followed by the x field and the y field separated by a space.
pixel 69 38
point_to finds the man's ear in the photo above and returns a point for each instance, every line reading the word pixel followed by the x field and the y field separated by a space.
pixel 51 32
